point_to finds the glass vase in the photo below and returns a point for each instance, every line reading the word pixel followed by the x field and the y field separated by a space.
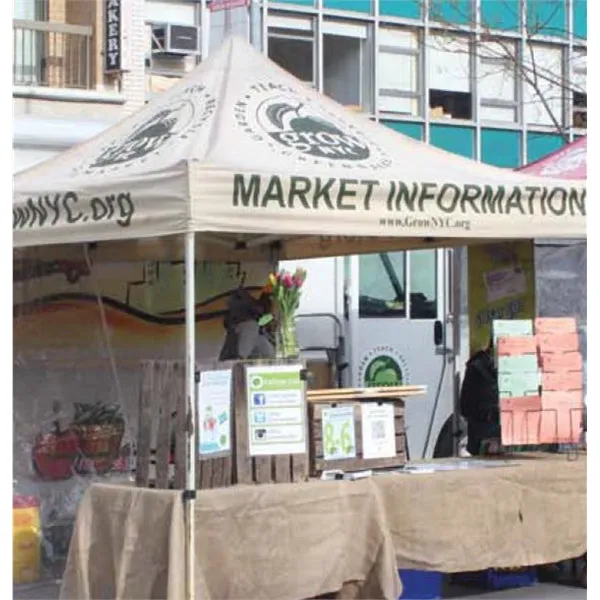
pixel 286 341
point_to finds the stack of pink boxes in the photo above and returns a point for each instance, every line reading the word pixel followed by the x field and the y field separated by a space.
pixel 519 381
pixel 540 382
pixel 562 380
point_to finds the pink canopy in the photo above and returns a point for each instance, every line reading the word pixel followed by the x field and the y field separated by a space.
pixel 569 162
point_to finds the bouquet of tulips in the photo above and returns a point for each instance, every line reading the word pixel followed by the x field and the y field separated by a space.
pixel 285 288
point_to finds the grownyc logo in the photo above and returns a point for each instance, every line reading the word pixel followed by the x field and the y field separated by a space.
pixel 185 114
pixel 291 123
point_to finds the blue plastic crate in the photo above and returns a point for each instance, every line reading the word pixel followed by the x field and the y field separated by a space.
pixel 420 585
pixel 499 579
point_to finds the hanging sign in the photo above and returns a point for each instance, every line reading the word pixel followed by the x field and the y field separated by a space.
pixel 113 21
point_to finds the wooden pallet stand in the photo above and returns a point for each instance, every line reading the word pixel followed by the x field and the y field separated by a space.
pixel 285 468
pixel 319 400
pixel 163 423
pixel 216 470
pixel 162 420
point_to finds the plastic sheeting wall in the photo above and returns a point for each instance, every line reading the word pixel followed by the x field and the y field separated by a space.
pixel 80 331
pixel 561 290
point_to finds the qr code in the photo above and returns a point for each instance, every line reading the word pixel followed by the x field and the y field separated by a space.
pixel 378 430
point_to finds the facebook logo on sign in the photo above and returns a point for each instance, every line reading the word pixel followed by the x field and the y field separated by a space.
pixel 259 399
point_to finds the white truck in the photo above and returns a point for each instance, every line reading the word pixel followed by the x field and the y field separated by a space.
pixel 386 319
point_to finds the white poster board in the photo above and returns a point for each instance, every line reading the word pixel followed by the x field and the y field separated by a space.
pixel 214 411
pixel 276 410
pixel 339 438
pixel 378 432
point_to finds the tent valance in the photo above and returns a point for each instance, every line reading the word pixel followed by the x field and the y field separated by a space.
pixel 244 152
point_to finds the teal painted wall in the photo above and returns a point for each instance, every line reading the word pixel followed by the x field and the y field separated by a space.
pixel 414 130
pixel 500 14
pixel 407 9
pixel 542 144
pixel 457 11
pixel 460 140
pixel 580 18
pixel 363 6
pixel 501 148
pixel 547 17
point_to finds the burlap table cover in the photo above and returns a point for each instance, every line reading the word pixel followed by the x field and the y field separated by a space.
pixel 263 542
pixel 298 541
pixel 528 514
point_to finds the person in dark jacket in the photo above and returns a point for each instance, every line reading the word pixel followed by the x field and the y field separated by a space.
pixel 479 402
pixel 244 337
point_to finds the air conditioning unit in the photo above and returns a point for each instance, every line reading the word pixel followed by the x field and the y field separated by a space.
pixel 178 40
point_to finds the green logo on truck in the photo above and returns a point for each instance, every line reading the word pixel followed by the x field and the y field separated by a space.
pixel 383 371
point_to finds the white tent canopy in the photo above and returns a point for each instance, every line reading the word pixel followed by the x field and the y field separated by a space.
pixel 247 155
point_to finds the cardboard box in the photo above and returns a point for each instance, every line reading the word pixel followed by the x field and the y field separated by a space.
pixel 511 328
pixel 553 343
pixel 555 325
pixel 562 381
pixel 524 363
pixel 551 399
pixel 564 361
pixel 520 420
pixel 516 345
pixel 515 385
pixel 562 417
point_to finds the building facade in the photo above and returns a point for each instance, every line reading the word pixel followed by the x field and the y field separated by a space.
pixel 63 94
pixel 501 81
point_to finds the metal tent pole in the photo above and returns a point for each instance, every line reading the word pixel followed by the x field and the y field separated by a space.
pixel 189 493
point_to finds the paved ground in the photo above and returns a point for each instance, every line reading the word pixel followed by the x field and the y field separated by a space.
pixel 542 591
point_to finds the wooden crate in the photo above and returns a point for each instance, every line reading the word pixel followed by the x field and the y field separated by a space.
pixel 162 417
pixel 261 469
pixel 320 400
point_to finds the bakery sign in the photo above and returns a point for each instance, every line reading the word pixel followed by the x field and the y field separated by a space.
pixel 113 51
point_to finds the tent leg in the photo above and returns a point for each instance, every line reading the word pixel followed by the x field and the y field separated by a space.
pixel 190 386
pixel 456 270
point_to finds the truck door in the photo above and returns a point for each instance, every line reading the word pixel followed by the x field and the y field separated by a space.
pixel 395 300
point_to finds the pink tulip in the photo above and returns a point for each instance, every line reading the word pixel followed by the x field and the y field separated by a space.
pixel 287 280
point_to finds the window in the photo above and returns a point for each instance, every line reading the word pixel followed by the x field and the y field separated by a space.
pixel 543 84
pixel 579 110
pixel 450 95
pixel 423 284
pixel 347 64
pixel 497 81
pixel 292 47
pixel 579 88
pixel 382 284
pixel 398 71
